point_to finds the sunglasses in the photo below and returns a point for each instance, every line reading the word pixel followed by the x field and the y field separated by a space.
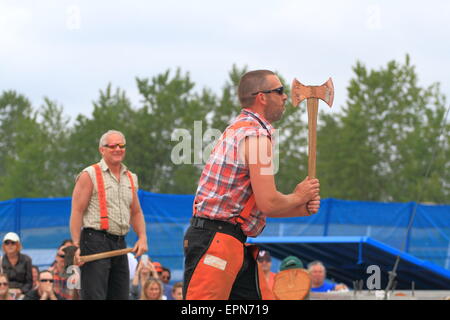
pixel 47 280
pixel 9 242
pixel 4 284
pixel 61 255
pixel 279 90
pixel 113 146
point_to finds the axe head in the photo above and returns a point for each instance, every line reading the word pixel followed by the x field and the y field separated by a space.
pixel 300 92
pixel 69 252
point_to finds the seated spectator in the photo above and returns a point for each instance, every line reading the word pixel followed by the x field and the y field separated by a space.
pixel 291 262
pixel 4 288
pixel 152 290
pixel 177 291
pixel 144 271
pixel 292 282
pixel 45 290
pixel 16 266
pixel 64 243
pixel 265 261
pixel 165 278
pixel 35 272
pixel 60 276
pixel 318 275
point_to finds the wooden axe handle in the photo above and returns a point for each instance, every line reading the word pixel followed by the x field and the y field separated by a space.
pixel 313 108
pixel 103 255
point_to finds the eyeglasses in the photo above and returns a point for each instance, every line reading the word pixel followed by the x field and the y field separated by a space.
pixel 279 90
pixel 113 146
pixel 4 284
pixel 61 255
pixel 46 280
pixel 7 242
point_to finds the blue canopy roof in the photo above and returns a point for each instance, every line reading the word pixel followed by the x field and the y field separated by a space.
pixel 347 259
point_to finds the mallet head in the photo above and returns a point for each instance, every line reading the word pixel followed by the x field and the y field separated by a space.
pixel 300 92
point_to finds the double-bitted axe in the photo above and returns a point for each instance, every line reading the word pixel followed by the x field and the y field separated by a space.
pixel 312 94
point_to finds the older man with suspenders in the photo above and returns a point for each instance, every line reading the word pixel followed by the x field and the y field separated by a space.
pixel 235 194
pixel 104 205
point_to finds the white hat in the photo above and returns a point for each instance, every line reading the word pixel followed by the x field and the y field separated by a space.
pixel 12 237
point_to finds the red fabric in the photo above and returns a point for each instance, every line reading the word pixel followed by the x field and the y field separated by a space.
pixel 225 191
pixel 104 224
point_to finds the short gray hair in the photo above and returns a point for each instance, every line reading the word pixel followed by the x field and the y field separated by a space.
pixel 316 263
pixel 109 132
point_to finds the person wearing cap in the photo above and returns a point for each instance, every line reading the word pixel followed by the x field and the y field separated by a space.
pixel 235 195
pixel 16 265
pixel 145 270
pixel 105 205
pixel 318 274
pixel 265 260
pixel 291 262
pixel 292 282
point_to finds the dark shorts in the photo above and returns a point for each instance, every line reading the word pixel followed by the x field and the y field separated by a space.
pixel 104 279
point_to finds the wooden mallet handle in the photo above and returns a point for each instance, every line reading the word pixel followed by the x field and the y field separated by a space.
pixel 104 255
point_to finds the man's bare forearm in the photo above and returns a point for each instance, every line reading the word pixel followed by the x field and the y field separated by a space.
pixel 76 222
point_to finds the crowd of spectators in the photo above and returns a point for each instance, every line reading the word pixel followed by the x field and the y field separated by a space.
pixel 21 280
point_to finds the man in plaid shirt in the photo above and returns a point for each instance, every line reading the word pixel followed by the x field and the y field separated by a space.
pixel 236 193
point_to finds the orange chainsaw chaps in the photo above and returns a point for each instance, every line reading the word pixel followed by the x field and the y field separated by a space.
pixel 266 292
pixel 214 276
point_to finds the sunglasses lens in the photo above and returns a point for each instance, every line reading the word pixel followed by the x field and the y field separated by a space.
pixel 113 146
pixel 47 280
pixel 280 90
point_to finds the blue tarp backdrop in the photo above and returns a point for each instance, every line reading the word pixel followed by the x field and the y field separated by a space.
pixel 44 223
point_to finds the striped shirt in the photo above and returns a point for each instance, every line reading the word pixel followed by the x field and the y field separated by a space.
pixel 224 185
pixel 119 197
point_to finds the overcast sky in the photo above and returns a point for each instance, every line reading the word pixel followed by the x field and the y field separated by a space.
pixel 69 50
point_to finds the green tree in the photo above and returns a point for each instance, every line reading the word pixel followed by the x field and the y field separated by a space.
pixel 379 147
pixel 32 148
pixel 112 110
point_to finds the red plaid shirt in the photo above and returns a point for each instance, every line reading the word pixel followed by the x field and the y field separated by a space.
pixel 224 185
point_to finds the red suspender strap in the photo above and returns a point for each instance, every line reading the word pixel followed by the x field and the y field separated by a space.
pixel 245 213
pixel 101 197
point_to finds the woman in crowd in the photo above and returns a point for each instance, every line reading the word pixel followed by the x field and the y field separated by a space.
pixel 16 266
pixel 145 270
pixel 152 290
pixel 4 288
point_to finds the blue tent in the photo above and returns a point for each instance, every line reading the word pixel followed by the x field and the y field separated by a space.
pixel 347 259
pixel 44 223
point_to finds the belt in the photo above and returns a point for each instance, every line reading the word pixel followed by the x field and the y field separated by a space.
pixel 107 234
pixel 233 230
